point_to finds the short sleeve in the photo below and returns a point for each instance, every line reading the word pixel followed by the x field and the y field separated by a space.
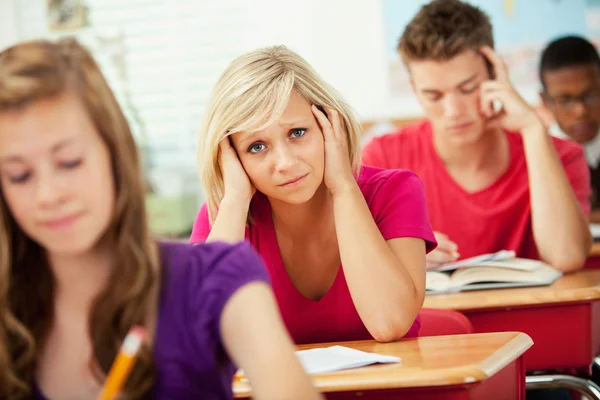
pixel 578 173
pixel 201 228
pixel 216 272
pixel 399 208
pixel 373 154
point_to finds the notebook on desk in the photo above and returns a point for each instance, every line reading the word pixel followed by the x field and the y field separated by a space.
pixel 490 271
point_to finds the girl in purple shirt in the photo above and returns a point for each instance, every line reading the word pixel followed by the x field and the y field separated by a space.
pixel 78 267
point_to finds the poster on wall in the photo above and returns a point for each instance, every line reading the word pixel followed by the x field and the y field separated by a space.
pixel 518 37
pixel 66 15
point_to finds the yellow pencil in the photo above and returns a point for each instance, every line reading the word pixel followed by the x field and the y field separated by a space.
pixel 239 375
pixel 119 372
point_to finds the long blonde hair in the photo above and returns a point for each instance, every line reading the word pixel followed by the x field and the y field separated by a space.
pixel 42 69
pixel 250 95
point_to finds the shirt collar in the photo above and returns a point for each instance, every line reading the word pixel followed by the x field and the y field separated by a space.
pixel 591 148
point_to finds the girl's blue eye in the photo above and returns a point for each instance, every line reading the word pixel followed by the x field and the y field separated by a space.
pixel 297 133
pixel 256 148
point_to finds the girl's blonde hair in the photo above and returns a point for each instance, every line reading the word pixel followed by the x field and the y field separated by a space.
pixel 251 94
pixel 38 70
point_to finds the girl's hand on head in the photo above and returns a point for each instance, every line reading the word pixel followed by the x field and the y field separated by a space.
pixel 338 170
pixel 237 184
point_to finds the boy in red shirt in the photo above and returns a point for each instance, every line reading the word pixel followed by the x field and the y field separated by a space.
pixel 494 179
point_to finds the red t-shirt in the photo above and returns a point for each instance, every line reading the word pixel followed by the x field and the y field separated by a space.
pixel 397 203
pixel 495 218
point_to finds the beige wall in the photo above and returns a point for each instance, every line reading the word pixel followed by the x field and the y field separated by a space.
pixel 8 25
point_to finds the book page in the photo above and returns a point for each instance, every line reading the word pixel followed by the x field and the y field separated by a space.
pixel 477 260
pixel 519 264
pixel 491 274
pixel 436 281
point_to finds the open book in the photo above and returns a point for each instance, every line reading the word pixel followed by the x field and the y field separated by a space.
pixel 490 271
pixel 473 261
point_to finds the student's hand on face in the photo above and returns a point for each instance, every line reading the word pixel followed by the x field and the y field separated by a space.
pixel 445 252
pixel 338 171
pixel 515 114
pixel 237 184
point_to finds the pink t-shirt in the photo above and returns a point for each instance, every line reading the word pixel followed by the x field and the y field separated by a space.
pixel 495 218
pixel 397 203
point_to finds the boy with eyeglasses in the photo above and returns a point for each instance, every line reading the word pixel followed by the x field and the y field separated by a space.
pixel 570 76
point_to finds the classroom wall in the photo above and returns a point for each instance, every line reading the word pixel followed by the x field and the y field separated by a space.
pixel 343 40
pixel 8 24
pixel 345 43
pixel 351 43
pixel 162 57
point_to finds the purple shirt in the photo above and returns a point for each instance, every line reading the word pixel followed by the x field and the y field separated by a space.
pixel 197 283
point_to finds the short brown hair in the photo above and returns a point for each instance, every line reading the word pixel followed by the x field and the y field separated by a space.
pixel 443 29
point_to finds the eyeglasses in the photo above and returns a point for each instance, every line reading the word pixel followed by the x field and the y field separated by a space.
pixel 567 103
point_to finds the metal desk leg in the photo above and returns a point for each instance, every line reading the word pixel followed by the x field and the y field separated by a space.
pixel 583 386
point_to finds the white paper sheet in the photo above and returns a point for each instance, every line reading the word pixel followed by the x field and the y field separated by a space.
pixel 335 358
pixel 595 230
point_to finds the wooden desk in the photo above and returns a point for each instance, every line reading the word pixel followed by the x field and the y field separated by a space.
pixel 579 286
pixel 457 367
pixel 595 251
pixel 563 319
